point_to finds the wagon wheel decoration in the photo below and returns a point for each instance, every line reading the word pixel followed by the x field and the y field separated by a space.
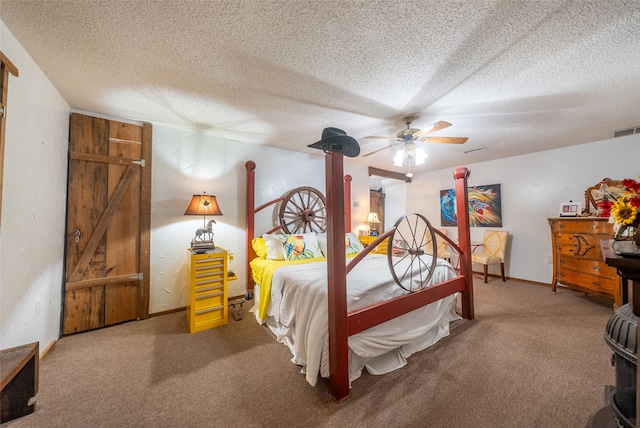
pixel 303 209
pixel 409 263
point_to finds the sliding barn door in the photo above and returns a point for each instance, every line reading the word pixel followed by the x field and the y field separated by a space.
pixel 108 222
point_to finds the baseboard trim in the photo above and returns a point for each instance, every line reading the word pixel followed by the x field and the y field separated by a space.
pixel 44 354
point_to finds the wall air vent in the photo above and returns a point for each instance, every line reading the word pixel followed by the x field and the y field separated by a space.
pixel 477 149
pixel 624 132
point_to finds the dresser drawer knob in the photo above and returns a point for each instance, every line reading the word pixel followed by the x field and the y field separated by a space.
pixel 596 283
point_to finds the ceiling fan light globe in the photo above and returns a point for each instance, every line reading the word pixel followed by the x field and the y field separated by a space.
pixel 421 156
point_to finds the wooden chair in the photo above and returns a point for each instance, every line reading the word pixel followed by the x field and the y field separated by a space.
pixel 494 246
pixel 442 246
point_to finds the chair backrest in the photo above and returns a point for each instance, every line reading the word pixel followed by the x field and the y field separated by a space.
pixel 441 245
pixel 494 243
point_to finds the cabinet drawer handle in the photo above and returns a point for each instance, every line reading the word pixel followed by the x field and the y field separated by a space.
pixel 204 311
pixel 209 267
pixel 596 283
pixel 205 289
pixel 206 274
pixel 211 281
pixel 206 296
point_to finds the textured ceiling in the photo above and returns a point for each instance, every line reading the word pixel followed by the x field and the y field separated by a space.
pixel 514 76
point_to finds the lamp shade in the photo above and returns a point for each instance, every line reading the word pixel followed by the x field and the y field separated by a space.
pixel 203 205
pixel 373 218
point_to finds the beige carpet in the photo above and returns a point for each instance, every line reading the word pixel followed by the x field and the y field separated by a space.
pixel 531 358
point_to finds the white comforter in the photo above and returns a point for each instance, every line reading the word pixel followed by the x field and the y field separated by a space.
pixel 298 316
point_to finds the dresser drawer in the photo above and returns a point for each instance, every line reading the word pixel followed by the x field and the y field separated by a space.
pixel 207 316
pixel 208 279
pixel 596 227
pixel 586 266
pixel 599 284
pixel 209 299
pixel 579 245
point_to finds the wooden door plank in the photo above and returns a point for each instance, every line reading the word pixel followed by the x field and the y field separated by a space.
pixel 87 283
pixel 100 158
pixel 121 302
pixel 83 309
pixel 123 233
pixel 86 201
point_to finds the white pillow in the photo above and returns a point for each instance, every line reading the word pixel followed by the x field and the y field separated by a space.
pixel 301 246
pixel 351 242
pixel 274 247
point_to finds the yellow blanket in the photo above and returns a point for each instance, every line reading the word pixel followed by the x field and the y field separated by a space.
pixel 262 271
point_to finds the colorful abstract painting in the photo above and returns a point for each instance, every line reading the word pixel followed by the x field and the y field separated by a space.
pixel 485 206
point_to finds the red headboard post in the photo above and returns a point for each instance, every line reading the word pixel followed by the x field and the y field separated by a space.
pixel 347 202
pixel 250 166
pixel 461 175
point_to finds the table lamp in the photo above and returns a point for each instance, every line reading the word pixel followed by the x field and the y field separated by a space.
pixel 372 218
pixel 203 205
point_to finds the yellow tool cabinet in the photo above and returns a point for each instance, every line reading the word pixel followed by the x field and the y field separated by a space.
pixel 208 306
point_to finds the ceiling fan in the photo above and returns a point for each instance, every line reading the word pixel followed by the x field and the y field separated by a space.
pixel 411 135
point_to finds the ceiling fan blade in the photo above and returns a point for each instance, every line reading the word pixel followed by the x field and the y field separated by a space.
pixel 377 137
pixel 445 140
pixel 433 128
pixel 379 150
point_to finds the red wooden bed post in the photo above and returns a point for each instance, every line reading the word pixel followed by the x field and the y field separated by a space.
pixel 464 238
pixel 337 279
pixel 347 202
pixel 250 166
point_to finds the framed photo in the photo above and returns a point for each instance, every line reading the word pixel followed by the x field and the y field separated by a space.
pixel 570 209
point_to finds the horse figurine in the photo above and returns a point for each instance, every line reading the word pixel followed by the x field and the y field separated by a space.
pixel 205 233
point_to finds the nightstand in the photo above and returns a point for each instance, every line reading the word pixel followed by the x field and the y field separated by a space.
pixel 208 306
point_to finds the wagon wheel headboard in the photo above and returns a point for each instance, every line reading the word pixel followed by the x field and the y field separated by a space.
pixel 303 209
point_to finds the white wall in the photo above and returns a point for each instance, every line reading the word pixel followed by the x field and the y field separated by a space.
pixel 34 204
pixel 189 162
pixel 533 187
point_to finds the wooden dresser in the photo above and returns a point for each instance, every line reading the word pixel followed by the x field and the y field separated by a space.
pixel 577 258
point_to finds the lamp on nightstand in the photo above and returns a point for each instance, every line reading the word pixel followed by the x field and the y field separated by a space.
pixel 203 205
pixel 372 218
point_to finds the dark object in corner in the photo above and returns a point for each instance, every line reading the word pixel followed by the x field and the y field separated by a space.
pixel 621 336
pixel 19 369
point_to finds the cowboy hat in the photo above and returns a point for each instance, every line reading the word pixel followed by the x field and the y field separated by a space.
pixel 336 140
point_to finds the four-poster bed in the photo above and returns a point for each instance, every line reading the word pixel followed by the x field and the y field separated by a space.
pixel 430 287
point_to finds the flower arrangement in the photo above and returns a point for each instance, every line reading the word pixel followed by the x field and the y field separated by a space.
pixel 625 211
